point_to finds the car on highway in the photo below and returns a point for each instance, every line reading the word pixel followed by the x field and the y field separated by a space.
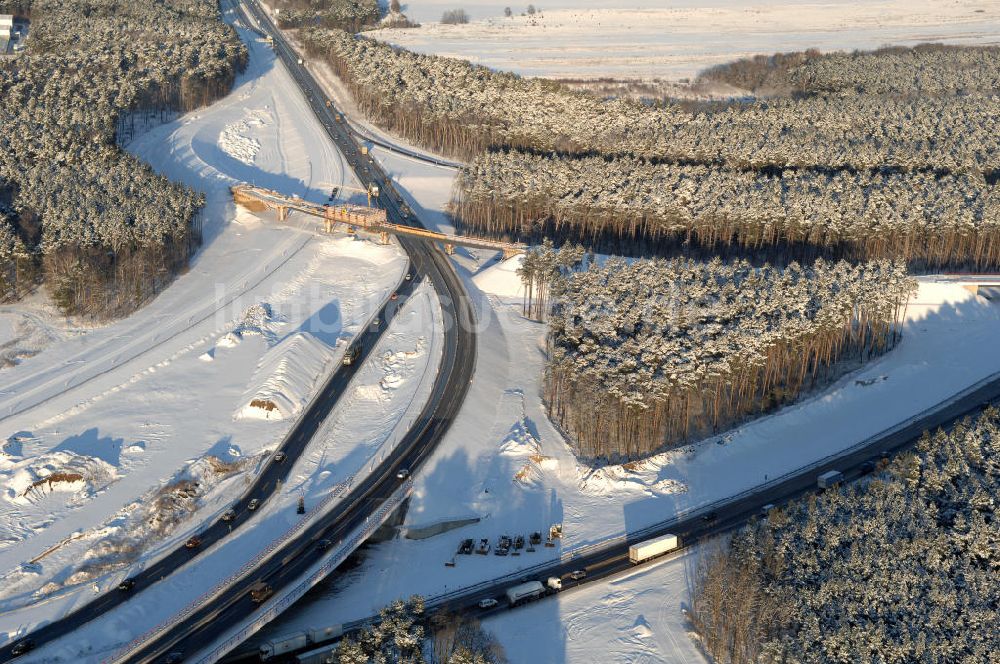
pixel 229 515
pixel 351 356
pixel 193 542
pixel 394 296
pixel 253 504
pixel 175 657
pixel 280 456
pixel 323 544
pixel 487 603
pixel 409 276
pixel 21 647
pixel 375 323
pixel 711 516
pixel 126 585
pixel 402 474
pixel 578 574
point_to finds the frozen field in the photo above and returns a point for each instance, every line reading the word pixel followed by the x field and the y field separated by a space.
pixel 643 39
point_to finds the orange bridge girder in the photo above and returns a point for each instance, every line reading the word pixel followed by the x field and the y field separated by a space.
pixel 375 220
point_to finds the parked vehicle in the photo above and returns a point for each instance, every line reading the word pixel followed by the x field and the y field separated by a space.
pixel 229 515
pixel 536 538
pixel 193 542
pixel 829 478
pixel 394 296
pixel 519 542
pixel 466 547
pixel 402 474
pixel 487 603
pixel 524 592
pixel 253 504
pixel 21 647
pixel 280 456
pixel 260 591
pixel 553 583
pixel 578 574
pixel 652 548
pixel 351 356
pixel 126 585
pixel 484 547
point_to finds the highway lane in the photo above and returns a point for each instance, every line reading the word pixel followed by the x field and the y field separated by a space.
pixel 233 605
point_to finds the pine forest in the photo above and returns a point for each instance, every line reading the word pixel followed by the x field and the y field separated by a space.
pixel 900 567
pixel 649 354
pixel 101 229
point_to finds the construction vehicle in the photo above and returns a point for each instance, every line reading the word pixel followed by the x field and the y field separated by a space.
pixel 260 591
pixel 524 592
pixel 643 551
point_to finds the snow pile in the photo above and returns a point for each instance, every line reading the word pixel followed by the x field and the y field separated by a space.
pixel 151 518
pixel 31 480
pixel 286 378
pixel 636 477
pixel 234 140
pixel 257 320
pixel 502 279
pixel 521 446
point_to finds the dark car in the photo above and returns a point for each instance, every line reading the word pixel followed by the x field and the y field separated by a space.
pixel 867 467
pixel 126 585
pixel 323 544
pixel 21 647
pixel 174 658
pixel 711 516
pixel 280 456
pixel 193 542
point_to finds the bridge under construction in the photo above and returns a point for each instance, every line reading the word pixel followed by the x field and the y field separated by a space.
pixel 371 219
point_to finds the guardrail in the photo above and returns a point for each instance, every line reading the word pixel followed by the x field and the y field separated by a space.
pixel 273 607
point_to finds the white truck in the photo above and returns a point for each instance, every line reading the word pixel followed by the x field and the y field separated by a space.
pixel 652 548
pixel 829 478
pixel 298 640
pixel 525 592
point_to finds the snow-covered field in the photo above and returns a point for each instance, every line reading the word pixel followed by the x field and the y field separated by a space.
pixel 635 617
pixel 118 441
pixel 504 462
pixel 644 39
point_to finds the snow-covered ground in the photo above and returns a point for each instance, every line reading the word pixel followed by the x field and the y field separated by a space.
pixel 647 39
pixel 504 462
pixel 155 411
pixel 635 617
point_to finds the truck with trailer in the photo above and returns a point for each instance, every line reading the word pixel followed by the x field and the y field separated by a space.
pixel 643 551
pixel 298 640
pixel 524 592
pixel 829 478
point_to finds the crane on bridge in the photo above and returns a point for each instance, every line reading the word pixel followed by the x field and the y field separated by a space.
pixel 373 219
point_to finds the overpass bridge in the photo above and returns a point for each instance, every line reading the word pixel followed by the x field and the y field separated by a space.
pixel 372 219
pixel 987 285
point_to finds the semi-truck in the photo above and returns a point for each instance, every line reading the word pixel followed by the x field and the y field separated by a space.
pixel 298 640
pixel 652 548
pixel 829 478
pixel 525 592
